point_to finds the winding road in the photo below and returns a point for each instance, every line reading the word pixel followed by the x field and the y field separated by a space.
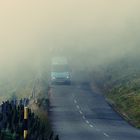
pixel 78 113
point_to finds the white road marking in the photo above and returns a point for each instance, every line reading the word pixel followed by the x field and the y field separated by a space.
pixel 80 112
pixel 75 101
pixel 84 117
pixel 91 125
pixel 87 121
pixel 77 106
pixel 106 135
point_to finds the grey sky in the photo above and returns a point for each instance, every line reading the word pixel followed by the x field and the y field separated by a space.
pixel 104 29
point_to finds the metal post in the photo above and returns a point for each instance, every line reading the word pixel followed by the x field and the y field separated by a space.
pixel 25 134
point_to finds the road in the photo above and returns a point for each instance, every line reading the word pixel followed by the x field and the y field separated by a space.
pixel 77 113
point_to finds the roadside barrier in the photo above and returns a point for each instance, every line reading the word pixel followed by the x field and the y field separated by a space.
pixel 18 122
pixel 25 135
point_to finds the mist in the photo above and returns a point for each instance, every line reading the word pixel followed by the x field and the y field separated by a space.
pixel 90 32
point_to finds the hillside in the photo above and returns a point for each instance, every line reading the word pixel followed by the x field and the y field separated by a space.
pixel 120 82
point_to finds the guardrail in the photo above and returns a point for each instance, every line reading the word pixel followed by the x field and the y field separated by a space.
pixel 18 122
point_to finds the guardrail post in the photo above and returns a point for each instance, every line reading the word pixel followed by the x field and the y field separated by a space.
pixel 25 133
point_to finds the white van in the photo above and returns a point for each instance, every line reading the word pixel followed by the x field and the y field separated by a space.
pixel 60 71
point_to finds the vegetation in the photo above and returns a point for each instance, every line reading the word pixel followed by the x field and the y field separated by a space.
pixel 23 87
pixel 121 83
pixel 13 124
pixel 16 85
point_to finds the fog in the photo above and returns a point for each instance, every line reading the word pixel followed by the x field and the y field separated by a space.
pixel 89 32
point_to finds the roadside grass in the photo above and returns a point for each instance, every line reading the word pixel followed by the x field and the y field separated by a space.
pixel 126 97
pixel 43 115
pixel 128 105
pixel 21 87
pixel 121 85
pixel 21 90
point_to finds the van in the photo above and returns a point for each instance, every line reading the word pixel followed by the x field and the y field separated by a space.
pixel 60 71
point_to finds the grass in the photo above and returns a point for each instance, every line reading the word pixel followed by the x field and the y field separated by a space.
pixel 121 84
pixel 127 100
pixel 43 115
pixel 21 87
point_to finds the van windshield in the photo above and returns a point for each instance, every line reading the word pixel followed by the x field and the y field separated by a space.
pixel 60 68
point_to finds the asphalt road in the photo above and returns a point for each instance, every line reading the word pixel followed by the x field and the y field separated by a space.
pixel 77 113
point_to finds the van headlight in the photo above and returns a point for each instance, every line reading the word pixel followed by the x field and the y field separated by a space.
pixel 68 77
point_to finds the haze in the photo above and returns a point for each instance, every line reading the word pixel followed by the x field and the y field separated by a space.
pixel 89 31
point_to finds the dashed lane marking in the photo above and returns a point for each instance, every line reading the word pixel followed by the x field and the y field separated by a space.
pixel 91 126
pixel 84 117
pixel 75 101
pixel 106 135
pixel 80 112
pixel 87 121
pixel 78 106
